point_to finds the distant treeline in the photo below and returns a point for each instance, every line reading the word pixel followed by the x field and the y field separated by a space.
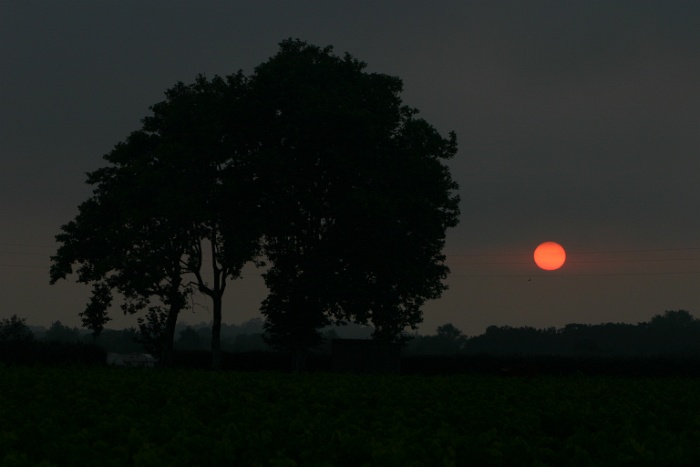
pixel 235 338
pixel 245 337
pixel 501 349
pixel 672 333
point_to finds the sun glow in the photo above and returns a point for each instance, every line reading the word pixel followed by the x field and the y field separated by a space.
pixel 550 256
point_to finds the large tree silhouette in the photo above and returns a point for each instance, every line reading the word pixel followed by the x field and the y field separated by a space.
pixel 313 156
pixel 356 197
pixel 175 193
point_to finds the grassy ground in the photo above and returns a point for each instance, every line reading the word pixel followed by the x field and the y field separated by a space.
pixel 116 416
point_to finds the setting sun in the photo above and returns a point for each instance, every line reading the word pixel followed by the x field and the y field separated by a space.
pixel 550 256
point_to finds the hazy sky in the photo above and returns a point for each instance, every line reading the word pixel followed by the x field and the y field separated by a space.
pixel 577 122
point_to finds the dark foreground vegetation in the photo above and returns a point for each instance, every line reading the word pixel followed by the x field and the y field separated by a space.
pixel 115 416
pixel 62 405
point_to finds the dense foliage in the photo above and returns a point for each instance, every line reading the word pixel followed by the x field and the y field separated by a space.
pixel 311 161
pixel 15 330
pixel 173 196
pixel 359 201
pixel 122 417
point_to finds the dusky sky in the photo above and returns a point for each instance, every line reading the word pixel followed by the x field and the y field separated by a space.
pixel 577 122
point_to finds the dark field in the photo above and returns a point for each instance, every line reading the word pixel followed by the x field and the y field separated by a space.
pixel 116 416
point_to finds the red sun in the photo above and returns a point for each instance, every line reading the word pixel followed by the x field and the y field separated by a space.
pixel 550 256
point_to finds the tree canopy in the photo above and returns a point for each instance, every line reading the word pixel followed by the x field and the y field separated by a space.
pixel 359 200
pixel 312 162
pixel 172 194
pixel 15 330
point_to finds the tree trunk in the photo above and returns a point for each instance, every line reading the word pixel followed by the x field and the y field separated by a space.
pixel 166 355
pixel 216 333
pixel 176 304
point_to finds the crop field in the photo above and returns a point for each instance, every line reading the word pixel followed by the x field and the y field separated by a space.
pixel 115 416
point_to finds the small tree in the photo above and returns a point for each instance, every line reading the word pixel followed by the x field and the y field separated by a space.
pixel 153 332
pixel 674 321
pixel 15 330
pixel 189 339
pixel 675 331
pixel 450 339
pixel 60 333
